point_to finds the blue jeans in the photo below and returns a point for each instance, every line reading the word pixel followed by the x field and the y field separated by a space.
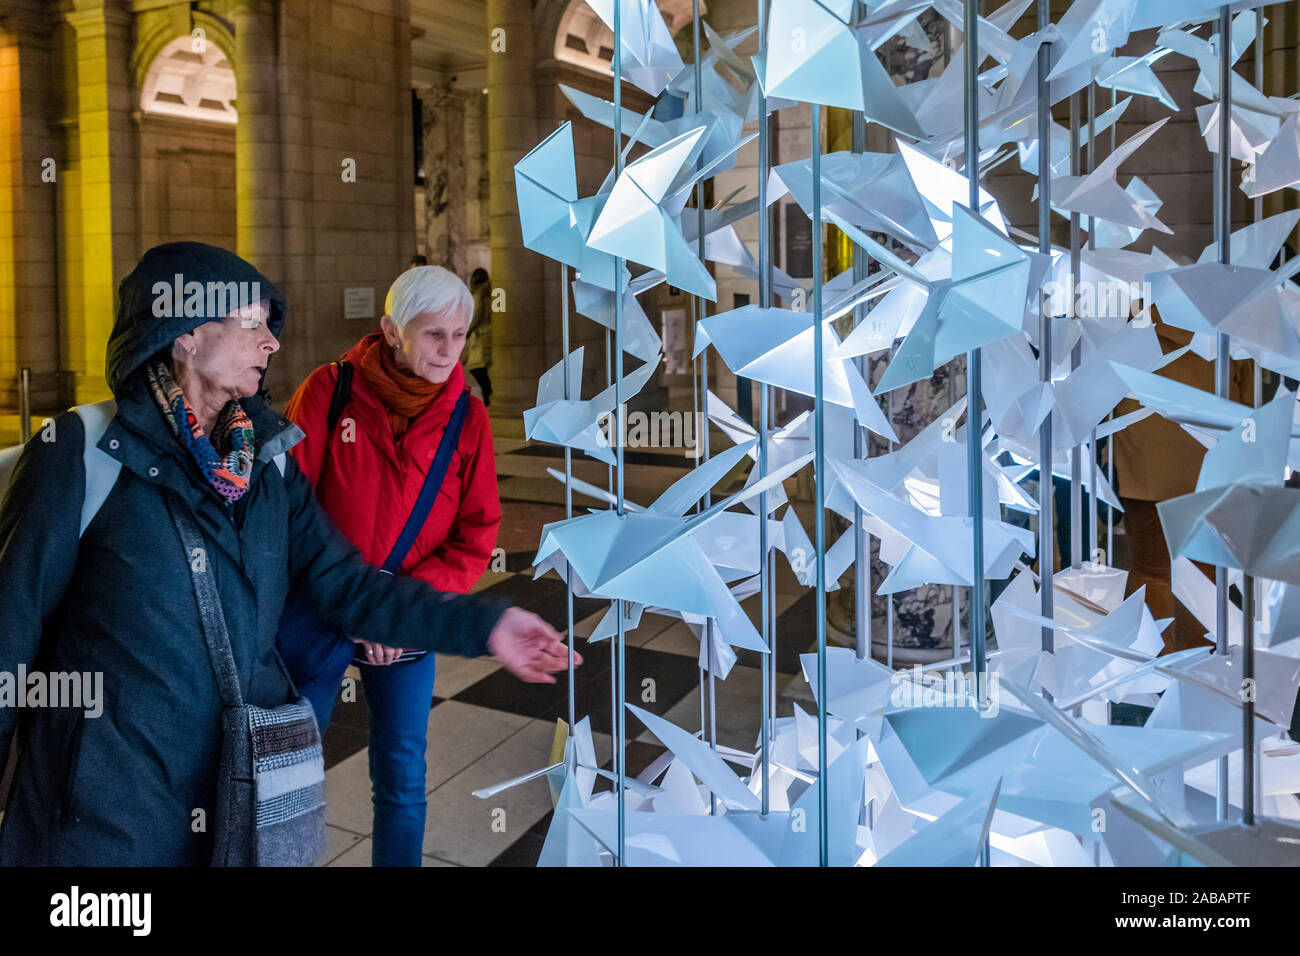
pixel 399 697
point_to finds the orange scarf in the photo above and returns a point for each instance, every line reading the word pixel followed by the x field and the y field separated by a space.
pixel 404 395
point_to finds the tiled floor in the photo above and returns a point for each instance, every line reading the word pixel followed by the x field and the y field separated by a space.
pixel 485 727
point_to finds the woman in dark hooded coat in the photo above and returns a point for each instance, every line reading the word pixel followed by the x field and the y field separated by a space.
pixel 135 783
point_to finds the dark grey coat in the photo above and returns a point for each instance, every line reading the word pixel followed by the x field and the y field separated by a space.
pixel 124 787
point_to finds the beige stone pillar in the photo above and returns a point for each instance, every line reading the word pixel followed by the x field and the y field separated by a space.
pixel 106 98
pixel 259 215
pixel 1281 78
pixel 30 168
pixel 518 334
pixel 447 227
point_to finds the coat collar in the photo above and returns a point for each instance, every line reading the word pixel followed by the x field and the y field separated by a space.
pixel 273 434
pixel 140 439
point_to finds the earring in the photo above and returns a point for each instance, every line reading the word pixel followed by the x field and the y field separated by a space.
pixel 194 350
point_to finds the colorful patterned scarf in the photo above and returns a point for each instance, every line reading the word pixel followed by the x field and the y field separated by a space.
pixel 233 431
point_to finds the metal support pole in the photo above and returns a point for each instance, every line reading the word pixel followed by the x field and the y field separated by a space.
pixel 1222 372
pixel 1222 367
pixel 568 496
pixel 1257 595
pixel 956 591
pixel 889 598
pixel 702 438
pixel 974 403
pixel 861 448
pixel 25 404
pixel 1092 244
pixel 1046 498
pixel 819 493
pixel 620 730
pixel 1110 442
pixel 765 588
pixel 1076 353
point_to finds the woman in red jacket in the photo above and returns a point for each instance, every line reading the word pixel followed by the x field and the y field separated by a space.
pixel 369 470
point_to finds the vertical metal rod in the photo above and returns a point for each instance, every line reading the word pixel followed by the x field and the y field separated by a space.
pixel 765 565
pixel 620 768
pixel 819 494
pixel 698 381
pixel 702 438
pixel 25 404
pixel 1258 396
pixel 1046 497
pixel 609 380
pixel 713 702
pixel 1076 353
pixel 956 591
pixel 1110 442
pixel 1222 372
pixel 609 486
pixel 1092 244
pixel 949 38
pixel 1222 367
pixel 889 598
pixel 1249 756
pixel 1092 148
pixel 568 491
pixel 701 307
pixel 703 700
pixel 974 403
pixel 695 384
pixel 861 443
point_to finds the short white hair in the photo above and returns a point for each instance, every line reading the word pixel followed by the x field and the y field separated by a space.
pixel 426 289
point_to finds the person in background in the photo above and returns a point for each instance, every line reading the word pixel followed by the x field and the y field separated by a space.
pixel 369 470
pixel 418 260
pixel 478 357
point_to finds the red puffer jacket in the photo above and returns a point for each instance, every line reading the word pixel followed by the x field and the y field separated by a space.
pixel 369 485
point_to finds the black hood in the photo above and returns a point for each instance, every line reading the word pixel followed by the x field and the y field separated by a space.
pixel 152 312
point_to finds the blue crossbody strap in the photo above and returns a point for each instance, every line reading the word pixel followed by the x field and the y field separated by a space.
pixel 432 482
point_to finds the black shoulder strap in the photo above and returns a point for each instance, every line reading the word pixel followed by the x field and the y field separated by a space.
pixel 342 392
pixel 213 622
pixel 432 482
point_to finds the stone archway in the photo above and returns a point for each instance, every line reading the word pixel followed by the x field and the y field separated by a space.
pixel 186 142
pixel 191 78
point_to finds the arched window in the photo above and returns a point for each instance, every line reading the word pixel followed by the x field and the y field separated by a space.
pixel 192 78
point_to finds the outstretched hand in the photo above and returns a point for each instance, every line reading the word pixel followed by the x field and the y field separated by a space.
pixel 529 648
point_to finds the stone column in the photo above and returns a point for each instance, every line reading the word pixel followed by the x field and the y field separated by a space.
pixel 447 226
pixel 1281 77
pixel 518 334
pixel 259 216
pixel 106 98
pixel 31 165
pixel 476 179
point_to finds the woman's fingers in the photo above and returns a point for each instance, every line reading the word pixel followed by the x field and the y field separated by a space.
pixel 380 654
pixel 553 661
pixel 530 648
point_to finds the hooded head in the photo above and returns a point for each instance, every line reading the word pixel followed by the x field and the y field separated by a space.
pixel 175 288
